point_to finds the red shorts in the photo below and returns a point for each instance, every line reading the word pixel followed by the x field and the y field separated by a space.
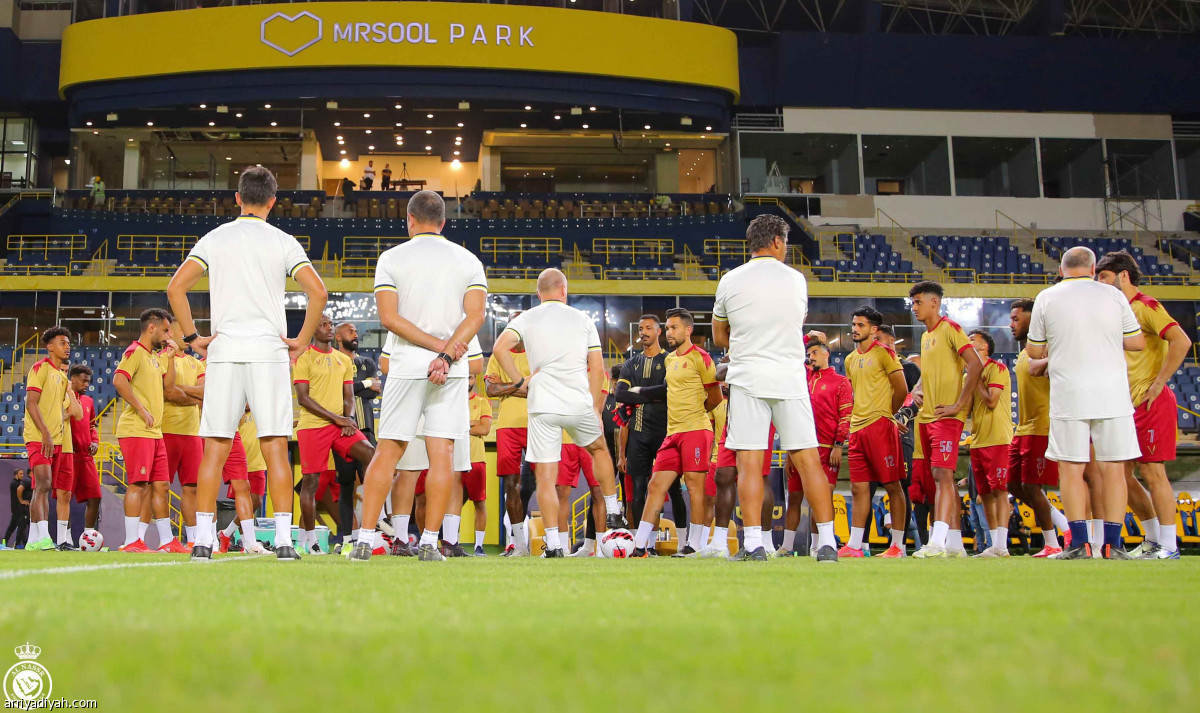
pixel 686 452
pixel 328 481
pixel 87 480
pixel 420 488
pixel 235 464
pixel 183 456
pixel 145 460
pixel 258 484
pixel 1027 462
pixel 728 459
pixel 795 485
pixel 315 444
pixel 475 482
pixel 62 473
pixel 1155 423
pixel 571 460
pixel 939 442
pixel 510 442
pixel 875 453
pixel 990 465
pixel 710 481
pixel 33 452
pixel 923 489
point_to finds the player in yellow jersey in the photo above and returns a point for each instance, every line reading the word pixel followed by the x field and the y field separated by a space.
pixel 143 376
pixel 47 408
pixel 692 391
pixel 1154 405
pixel 181 429
pixel 512 435
pixel 474 483
pixel 324 379
pixel 876 455
pixel 992 432
pixel 1029 470
pixel 945 350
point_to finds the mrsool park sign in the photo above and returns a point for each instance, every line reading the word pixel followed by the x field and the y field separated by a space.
pixel 372 34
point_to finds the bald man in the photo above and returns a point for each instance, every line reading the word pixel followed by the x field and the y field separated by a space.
pixel 368 385
pixel 1084 328
pixel 565 394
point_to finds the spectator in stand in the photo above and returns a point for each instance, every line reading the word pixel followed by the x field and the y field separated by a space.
pixel 368 178
pixel 385 177
pixel 98 197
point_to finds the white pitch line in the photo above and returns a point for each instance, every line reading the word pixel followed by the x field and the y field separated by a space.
pixel 98 567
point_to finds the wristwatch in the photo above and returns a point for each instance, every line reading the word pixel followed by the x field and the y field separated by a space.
pixel 191 337
pixel 839 445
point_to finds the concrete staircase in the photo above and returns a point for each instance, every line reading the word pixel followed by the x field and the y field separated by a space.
pixel 1148 242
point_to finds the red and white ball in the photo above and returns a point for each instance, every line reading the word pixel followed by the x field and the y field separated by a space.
pixel 617 544
pixel 91 541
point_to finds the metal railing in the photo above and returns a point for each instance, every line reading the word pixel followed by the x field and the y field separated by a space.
pixel 634 248
pixel 31 245
pixel 521 248
pixel 1017 226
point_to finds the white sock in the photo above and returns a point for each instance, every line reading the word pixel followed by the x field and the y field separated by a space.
pixel 64 532
pixel 752 538
pixel 508 533
pixel 283 529
pixel 552 539
pixel 954 540
pixel 705 531
pixel 939 534
pixel 1059 519
pixel 611 504
pixel 204 522
pixel 142 528
pixel 354 535
pixel 691 530
pixel 768 540
pixel 191 532
pixel 825 536
pixel 366 537
pixel 308 538
pixel 228 531
pixel 131 530
pixel 248 535
pixel 994 536
pixel 720 538
pixel 1150 527
pixel 450 525
pixel 589 545
pixel 695 537
pixel 898 538
pixel 377 541
pixel 1097 534
pixel 1050 537
pixel 641 539
pixel 1166 537
pixel 856 535
pixel 479 534
pixel 519 537
pixel 400 526
pixel 789 539
pixel 1000 538
pixel 428 537
pixel 813 539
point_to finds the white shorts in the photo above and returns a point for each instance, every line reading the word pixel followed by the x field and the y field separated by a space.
pixel 230 386
pixel 416 458
pixel 749 420
pixel 1072 440
pixel 545 434
pixel 405 401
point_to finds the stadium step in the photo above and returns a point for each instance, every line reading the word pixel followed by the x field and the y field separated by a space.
pixel 1148 242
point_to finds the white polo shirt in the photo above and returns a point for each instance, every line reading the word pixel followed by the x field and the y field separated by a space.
pixel 1083 323
pixel 765 303
pixel 248 262
pixel 430 276
pixel 557 339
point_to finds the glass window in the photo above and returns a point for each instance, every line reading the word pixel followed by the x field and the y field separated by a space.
pixel 1072 168
pixel 1187 158
pixel 16 135
pixel 906 165
pixel 995 167
pixel 1139 168
pixel 799 163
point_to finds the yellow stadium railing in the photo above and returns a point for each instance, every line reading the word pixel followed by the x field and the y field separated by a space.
pixel 173 247
pixel 634 248
pixel 358 266
pixel 994 278
pixel 579 513
pixel 34 246
pixel 630 273
pixel 521 248
pixel 15 370
pixel 1017 227
pixel 514 273
pixel 359 246
pixel 893 227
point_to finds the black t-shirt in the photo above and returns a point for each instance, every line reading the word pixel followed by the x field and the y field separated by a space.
pixel 639 370
pixel 364 414
pixel 14 503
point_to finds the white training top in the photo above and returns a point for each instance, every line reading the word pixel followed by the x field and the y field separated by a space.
pixel 765 303
pixel 1083 323
pixel 248 262
pixel 368 171
pixel 557 340
pixel 430 276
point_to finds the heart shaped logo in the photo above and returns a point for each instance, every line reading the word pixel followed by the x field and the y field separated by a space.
pixel 291 35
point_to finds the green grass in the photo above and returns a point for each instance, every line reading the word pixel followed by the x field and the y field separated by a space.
pixel 679 635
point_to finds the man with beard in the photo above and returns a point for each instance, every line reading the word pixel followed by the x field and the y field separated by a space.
pixel 367 387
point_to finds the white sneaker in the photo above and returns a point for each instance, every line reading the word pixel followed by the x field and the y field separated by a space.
pixel 992 553
pixel 256 548
pixel 929 552
pixel 956 554
pixel 712 553
pixel 584 551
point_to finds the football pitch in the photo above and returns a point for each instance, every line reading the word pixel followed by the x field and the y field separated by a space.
pixel 251 633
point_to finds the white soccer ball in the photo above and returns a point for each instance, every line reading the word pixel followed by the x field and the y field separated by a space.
pixel 617 544
pixel 91 541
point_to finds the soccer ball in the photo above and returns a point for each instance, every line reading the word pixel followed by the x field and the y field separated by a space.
pixel 617 544
pixel 91 541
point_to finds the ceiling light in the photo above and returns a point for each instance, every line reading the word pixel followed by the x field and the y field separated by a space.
pixel 341 143
pixel 428 148
pixel 460 124
pixel 370 148
pixel 67 161
pixel 266 106
pixel 229 158
pixel 703 136
pixel 399 123
pixel 342 152
pixel 130 140
pixel 274 123
pixel 524 125
pixel 238 115
pixel 95 133
pixel 557 117
pixel 339 138
pixel 89 123
pixel 367 131
pixel 331 105
pixel 212 123
pixel 149 123
pixel 203 106
pixel 336 123
pixel 428 131
pixel 585 126
pixel 429 116
pixel 528 108
pixel 591 108
pixel 668 143
pixel 366 116
pixel 708 128
pixel 399 107
pixel 455 153
pixel 344 164
pixel 646 127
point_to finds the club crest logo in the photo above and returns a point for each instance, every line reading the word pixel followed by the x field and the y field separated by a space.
pixel 27 680
pixel 293 34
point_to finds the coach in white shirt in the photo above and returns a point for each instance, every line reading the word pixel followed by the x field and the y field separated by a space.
pixel 430 294
pixel 759 315
pixel 248 262
pixel 564 394
pixel 1085 327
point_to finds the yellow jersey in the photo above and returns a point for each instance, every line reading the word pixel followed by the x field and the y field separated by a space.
pixel 689 374
pixel 1143 366
pixel 1033 400
pixel 942 350
pixel 145 370
pixel 254 457
pixel 717 417
pixel 326 374
pixel 51 385
pixel 514 411
pixel 869 373
pixel 481 408
pixel 993 426
pixel 184 420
